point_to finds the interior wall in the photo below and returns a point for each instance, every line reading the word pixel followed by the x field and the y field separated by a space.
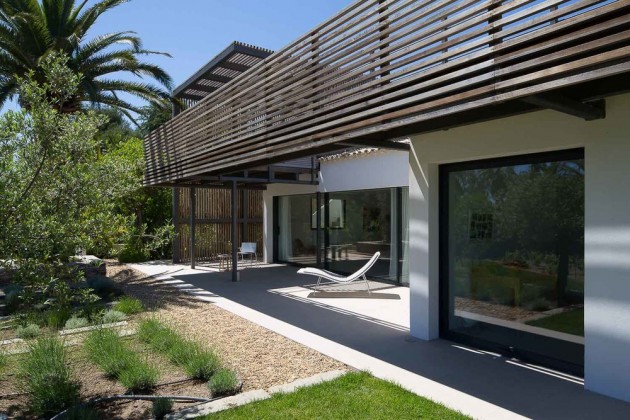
pixel 607 222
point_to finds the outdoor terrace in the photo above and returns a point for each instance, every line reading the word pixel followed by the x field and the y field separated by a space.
pixel 386 69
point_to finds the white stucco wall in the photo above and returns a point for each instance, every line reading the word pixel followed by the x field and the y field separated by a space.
pixel 607 222
pixel 379 169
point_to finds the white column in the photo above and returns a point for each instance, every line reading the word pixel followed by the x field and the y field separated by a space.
pixel 607 263
pixel 267 227
pixel 423 249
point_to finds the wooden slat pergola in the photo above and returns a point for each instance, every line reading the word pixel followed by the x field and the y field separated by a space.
pixel 385 69
pixel 230 63
pixel 233 61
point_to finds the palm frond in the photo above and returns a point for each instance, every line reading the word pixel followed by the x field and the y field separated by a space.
pixel 102 42
pixel 32 29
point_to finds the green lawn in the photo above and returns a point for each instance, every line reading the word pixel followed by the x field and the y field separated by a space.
pixel 570 322
pixel 353 396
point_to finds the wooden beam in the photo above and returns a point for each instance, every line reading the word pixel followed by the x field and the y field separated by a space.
pixel 588 111
pixel 203 88
pixel 190 96
pixel 381 144
pixel 234 66
pixel 213 77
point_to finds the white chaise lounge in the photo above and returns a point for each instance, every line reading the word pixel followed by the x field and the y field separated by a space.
pixel 337 278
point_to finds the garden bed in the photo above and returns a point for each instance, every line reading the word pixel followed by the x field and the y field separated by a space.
pixel 246 353
pixel 94 384
pixel 261 357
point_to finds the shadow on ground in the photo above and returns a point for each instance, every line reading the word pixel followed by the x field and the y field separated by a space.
pixel 482 375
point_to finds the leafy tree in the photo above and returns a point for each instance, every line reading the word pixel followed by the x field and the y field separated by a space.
pixel 150 207
pixel 115 131
pixel 57 195
pixel 154 115
pixel 31 29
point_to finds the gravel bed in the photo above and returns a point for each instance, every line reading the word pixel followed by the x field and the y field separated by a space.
pixel 261 357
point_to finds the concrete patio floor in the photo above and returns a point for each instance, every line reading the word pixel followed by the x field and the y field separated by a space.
pixel 373 334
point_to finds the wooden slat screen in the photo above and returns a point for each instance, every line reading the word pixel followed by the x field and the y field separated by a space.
pixel 213 234
pixel 380 65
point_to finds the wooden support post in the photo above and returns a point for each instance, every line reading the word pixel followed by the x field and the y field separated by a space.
pixel 234 235
pixel 399 234
pixel 177 240
pixel 244 216
pixel 326 230
pixel 193 220
pixel 318 229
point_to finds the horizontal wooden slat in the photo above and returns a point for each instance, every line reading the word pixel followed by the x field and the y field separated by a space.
pixel 379 66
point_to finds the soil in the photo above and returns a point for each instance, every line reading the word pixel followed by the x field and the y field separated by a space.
pixel 260 357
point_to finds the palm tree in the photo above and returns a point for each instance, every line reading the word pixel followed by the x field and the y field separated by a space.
pixel 32 29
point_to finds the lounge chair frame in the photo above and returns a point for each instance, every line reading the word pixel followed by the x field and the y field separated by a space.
pixel 339 279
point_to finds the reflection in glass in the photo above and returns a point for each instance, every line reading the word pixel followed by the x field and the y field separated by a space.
pixel 369 227
pixel 297 242
pixel 360 223
pixel 516 251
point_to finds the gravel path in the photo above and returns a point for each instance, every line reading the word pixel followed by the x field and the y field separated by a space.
pixel 261 357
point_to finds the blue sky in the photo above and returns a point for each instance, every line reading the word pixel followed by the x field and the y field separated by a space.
pixel 194 31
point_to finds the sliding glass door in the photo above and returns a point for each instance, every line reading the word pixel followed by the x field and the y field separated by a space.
pixel 353 225
pixel 512 252
pixel 296 237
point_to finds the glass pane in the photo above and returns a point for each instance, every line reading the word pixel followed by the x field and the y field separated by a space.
pixel 516 252
pixel 360 224
pixel 297 240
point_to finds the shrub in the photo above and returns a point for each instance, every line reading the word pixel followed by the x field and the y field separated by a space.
pixel 133 252
pixel 3 361
pixel 223 382
pixel 12 297
pixel 81 412
pixel 28 331
pixel 46 377
pixel 129 305
pixel 161 407
pixel 199 363
pixel 139 376
pixel 76 322
pixel 158 336
pixel 111 316
pixel 104 286
pixel 106 349
pixel 57 318
pixel 31 317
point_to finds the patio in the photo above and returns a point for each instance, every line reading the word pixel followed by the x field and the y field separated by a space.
pixel 374 334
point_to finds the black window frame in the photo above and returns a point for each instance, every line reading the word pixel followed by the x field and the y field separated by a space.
pixel 577 351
